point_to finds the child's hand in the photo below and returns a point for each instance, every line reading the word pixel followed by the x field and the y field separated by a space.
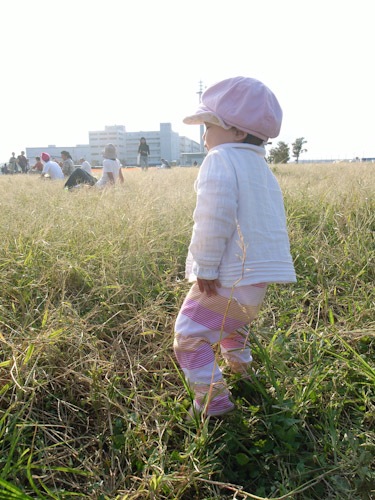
pixel 208 286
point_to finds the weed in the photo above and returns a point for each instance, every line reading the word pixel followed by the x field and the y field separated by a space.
pixel 92 404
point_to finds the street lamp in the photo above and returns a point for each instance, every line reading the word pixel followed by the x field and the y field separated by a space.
pixel 201 127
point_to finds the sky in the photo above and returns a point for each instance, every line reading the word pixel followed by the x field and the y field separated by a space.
pixel 68 67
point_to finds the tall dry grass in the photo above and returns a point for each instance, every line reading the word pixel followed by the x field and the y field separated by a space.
pixel 91 401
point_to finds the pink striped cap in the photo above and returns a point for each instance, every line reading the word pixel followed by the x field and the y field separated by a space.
pixel 244 103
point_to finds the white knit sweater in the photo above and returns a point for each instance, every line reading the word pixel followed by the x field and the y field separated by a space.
pixel 239 234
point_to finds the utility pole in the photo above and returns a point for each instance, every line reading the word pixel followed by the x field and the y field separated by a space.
pixel 201 127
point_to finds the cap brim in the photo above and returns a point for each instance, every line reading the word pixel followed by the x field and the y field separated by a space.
pixel 204 115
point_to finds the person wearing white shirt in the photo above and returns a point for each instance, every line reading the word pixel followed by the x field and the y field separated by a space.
pixel 111 168
pixel 51 168
pixel 85 165
pixel 110 174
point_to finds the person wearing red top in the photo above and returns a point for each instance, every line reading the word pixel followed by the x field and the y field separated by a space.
pixel 38 167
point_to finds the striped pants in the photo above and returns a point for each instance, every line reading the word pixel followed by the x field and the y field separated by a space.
pixel 204 321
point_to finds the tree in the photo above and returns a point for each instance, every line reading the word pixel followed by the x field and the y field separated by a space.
pixel 297 147
pixel 279 154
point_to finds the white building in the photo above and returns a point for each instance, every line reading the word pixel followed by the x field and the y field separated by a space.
pixel 114 134
pixel 163 143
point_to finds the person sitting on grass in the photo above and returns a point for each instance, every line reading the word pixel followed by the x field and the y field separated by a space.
pixel 79 178
pixel 164 164
pixel 38 167
pixel 111 172
pixel 85 165
pixel 51 168
pixel 111 168
pixel 67 165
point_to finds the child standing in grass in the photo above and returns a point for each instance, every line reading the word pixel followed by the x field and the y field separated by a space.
pixel 240 241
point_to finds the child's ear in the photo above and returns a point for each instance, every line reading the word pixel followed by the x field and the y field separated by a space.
pixel 240 135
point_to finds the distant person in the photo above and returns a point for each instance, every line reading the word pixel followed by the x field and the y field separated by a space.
pixel 143 154
pixel 13 166
pixel 164 164
pixel 85 165
pixel 4 169
pixel 111 172
pixel 80 177
pixel 51 168
pixel 37 167
pixel 67 163
pixel 195 164
pixel 239 242
pixel 23 162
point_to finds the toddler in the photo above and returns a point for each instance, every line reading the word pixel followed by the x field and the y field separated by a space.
pixel 240 241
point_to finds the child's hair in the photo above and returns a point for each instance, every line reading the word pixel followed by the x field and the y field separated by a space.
pixel 252 139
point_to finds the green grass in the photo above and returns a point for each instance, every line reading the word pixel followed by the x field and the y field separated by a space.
pixel 92 404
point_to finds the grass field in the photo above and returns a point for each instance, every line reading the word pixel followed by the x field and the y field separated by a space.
pixel 92 404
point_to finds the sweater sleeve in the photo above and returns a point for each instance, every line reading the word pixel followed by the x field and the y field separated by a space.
pixel 215 214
